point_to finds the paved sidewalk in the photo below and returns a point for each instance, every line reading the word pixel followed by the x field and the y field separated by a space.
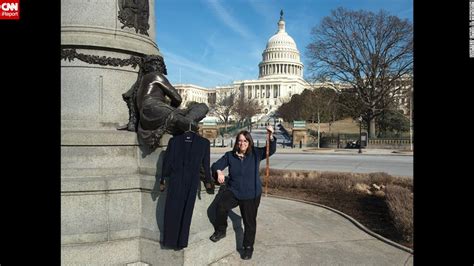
pixel 297 233
pixel 289 232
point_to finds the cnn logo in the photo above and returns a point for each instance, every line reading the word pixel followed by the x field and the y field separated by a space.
pixel 10 6
pixel 9 9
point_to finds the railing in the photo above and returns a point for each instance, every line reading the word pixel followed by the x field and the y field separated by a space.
pixel 220 142
pixel 341 140
pixel 233 128
pixel 389 141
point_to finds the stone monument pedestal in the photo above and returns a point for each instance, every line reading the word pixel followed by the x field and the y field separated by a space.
pixel 299 135
pixel 112 210
pixel 108 214
pixel 111 207
pixel 209 132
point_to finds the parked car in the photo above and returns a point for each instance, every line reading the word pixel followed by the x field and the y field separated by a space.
pixel 352 144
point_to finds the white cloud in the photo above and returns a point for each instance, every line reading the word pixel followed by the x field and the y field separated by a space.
pixel 186 63
pixel 210 45
pixel 221 12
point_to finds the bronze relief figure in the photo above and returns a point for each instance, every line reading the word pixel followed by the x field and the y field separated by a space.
pixel 134 14
pixel 153 104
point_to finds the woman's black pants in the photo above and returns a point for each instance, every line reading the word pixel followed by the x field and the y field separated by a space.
pixel 248 210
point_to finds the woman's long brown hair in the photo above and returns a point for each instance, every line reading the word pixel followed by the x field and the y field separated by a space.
pixel 248 137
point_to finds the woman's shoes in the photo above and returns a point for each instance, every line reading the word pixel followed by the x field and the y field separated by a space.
pixel 217 236
pixel 247 253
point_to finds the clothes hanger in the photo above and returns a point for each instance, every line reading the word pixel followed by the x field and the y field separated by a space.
pixel 187 133
pixel 189 129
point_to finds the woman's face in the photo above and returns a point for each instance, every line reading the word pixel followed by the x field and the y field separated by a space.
pixel 243 143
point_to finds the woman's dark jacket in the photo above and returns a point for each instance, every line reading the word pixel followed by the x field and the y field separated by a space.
pixel 244 178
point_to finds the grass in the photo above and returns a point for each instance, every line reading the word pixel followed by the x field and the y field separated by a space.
pixel 346 126
pixel 380 202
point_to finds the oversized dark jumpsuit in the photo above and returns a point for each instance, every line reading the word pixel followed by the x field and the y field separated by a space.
pixel 183 159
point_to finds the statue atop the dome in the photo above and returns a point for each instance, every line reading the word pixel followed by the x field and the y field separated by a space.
pixel 153 104
pixel 281 22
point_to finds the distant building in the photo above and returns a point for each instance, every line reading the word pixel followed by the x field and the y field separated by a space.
pixel 280 76
pixel 404 94
pixel 280 72
pixel 192 93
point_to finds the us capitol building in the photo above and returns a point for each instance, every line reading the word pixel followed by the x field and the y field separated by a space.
pixel 280 76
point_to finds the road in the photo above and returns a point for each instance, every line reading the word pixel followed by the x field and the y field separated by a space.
pixel 390 164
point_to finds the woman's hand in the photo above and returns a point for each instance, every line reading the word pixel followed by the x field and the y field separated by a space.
pixel 162 185
pixel 220 176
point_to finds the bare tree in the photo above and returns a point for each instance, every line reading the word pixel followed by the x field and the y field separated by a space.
pixel 245 109
pixel 224 104
pixel 369 51
pixel 319 105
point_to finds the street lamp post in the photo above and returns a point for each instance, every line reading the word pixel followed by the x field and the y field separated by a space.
pixel 360 134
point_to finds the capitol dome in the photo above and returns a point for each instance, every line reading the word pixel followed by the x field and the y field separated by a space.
pixel 281 56
pixel 282 40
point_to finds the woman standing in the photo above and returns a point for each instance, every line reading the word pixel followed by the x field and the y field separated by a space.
pixel 244 187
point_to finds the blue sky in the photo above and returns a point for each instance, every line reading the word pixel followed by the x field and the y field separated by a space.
pixel 214 42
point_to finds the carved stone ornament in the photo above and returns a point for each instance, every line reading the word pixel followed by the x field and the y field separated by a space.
pixel 134 14
pixel 71 54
